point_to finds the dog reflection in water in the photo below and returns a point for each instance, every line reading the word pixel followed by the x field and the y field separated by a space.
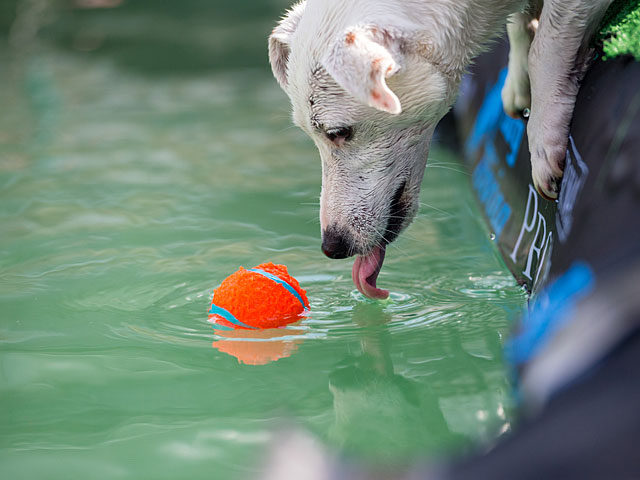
pixel 379 416
pixel 258 347
pixel 376 409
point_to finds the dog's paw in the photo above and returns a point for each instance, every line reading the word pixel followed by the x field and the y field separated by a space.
pixel 548 147
pixel 516 93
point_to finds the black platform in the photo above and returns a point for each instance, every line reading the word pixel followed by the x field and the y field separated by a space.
pixel 596 218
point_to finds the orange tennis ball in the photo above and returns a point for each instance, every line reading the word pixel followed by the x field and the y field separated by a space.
pixel 265 296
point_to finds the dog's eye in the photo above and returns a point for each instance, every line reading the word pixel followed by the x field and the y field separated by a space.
pixel 339 135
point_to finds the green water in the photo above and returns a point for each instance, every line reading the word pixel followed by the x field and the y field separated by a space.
pixel 127 196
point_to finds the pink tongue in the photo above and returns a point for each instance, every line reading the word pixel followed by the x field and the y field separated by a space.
pixel 365 273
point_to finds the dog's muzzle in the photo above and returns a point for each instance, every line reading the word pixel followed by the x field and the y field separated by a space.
pixel 339 244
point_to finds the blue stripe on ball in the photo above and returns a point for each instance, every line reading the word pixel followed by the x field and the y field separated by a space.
pixel 281 282
pixel 227 315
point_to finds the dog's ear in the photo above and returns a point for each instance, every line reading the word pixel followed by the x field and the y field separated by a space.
pixel 361 60
pixel 280 39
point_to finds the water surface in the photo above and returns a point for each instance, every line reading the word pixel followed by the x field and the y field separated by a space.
pixel 126 198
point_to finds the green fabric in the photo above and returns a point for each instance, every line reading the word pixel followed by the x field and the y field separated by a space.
pixel 619 32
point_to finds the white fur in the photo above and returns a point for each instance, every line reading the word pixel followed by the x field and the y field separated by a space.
pixel 545 72
pixel 390 69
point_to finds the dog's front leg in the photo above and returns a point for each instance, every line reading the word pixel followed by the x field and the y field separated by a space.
pixel 516 93
pixel 557 61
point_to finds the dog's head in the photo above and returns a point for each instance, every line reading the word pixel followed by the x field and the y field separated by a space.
pixel 370 96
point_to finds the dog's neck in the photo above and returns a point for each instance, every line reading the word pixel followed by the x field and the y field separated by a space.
pixel 461 29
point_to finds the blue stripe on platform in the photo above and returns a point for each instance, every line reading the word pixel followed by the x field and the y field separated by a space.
pixel 552 309
pixel 227 315
pixel 281 282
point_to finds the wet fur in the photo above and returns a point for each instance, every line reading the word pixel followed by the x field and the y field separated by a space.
pixel 391 70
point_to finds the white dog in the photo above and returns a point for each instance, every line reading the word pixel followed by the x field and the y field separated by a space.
pixel 370 79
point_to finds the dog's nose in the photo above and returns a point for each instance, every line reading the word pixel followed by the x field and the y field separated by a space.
pixel 335 245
